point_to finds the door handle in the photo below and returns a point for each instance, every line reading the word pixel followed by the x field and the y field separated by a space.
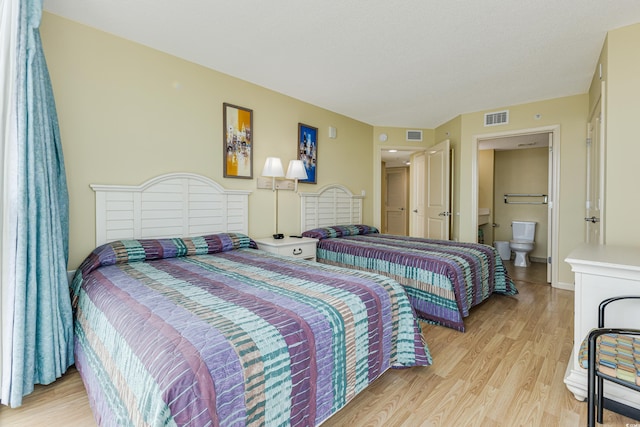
pixel 415 210
pixel 444 214
pixel 401 209
pixel 593 219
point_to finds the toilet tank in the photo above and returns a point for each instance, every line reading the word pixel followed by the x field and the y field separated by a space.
pixel 523 230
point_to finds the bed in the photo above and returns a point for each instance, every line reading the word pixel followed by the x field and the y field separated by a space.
pixel 206 329
pixel 443 279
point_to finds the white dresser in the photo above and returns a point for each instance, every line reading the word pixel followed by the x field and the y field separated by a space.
pixel 602 272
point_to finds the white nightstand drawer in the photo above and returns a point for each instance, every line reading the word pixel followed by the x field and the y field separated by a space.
pixel 289 246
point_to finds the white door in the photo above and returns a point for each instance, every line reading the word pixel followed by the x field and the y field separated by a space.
pixel 594 232
pixel 438 210
pixel 417 172
pixel 396 209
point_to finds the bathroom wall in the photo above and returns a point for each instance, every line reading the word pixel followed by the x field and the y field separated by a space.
pixel 521 171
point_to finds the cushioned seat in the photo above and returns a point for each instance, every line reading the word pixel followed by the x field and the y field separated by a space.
pixel 612 354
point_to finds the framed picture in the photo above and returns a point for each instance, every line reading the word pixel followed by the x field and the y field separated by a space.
pixel 237 137
pixel 308 151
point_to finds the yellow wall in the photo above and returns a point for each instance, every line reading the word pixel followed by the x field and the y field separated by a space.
pixel 622 111
pixel 486 191
pixel 128 113
pixel 570 114
pixel 526 172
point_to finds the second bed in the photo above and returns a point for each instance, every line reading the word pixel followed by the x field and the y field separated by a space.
pixel 443 279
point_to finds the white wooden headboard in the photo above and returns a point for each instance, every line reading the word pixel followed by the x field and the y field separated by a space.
pixel 171 205
pixel 332 205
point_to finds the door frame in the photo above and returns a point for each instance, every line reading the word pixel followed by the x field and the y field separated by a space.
pixel 377 178
pixel 554 186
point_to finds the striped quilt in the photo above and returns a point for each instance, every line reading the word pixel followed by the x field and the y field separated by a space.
pixel 443 279
pixel 209 331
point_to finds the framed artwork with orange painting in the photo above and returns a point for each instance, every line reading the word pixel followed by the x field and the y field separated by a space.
pixel 237 141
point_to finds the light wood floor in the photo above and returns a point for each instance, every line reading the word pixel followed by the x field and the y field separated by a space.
pixel 506 370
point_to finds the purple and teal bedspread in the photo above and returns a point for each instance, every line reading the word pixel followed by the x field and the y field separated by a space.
pixel 443 279
pixel 209 331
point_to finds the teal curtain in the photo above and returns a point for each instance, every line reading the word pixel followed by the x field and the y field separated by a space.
pixel 42 336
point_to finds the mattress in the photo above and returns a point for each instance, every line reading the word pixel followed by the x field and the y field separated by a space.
pixel 210 331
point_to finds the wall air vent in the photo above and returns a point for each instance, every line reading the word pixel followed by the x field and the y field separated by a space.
pixel 414 135
pixel 496 118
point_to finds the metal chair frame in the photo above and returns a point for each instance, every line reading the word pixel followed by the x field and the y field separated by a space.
pixel 595 386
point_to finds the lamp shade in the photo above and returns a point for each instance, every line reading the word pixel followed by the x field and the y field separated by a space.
pixel 296 170
pixel 273 168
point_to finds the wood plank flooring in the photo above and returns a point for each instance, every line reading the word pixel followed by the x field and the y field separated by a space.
pixel 506 370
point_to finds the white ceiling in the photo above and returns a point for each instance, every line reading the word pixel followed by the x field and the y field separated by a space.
pixel 401 63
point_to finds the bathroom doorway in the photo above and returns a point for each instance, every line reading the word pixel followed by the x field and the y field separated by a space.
pixel 522 163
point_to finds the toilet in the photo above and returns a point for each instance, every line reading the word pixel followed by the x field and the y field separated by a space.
pixel 523 233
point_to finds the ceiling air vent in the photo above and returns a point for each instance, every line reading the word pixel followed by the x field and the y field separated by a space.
pixel 414 135
pixel 496 118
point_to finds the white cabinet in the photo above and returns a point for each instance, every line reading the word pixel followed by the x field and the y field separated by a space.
pixel 304 247
pixel 602 272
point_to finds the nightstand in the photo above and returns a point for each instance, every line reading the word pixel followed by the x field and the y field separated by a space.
pixel 295 247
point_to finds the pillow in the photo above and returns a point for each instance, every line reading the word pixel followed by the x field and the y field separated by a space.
pixel 127 251
pixel 340 231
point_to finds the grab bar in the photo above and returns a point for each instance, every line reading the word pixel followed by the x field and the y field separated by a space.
pixel 545 199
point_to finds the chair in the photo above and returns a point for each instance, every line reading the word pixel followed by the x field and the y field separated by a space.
pixel 612 354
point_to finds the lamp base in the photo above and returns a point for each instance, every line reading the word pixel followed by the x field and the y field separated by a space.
pixel 278 236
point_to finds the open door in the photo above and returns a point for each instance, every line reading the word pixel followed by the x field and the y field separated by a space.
pixel 417 199
pixel 438 201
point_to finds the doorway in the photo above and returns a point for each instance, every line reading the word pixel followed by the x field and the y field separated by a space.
pixel 396 199
pixel 550 134
pixel 394 160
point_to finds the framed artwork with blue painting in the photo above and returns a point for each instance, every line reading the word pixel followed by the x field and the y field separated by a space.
pixel 308 151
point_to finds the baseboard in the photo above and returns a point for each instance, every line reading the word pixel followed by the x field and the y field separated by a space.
pixel 565 286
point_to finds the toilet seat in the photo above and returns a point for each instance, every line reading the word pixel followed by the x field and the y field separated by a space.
pixel 525 245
